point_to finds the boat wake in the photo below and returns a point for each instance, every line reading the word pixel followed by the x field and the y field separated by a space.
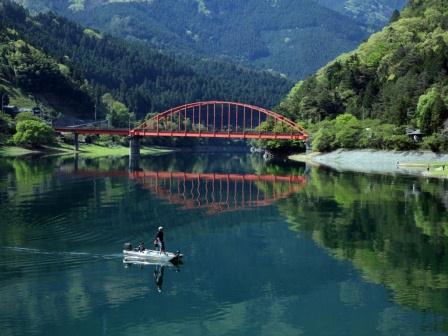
pixel 63 253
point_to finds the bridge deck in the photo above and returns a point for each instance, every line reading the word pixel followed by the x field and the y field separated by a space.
pixel 205 134
pixel 98 131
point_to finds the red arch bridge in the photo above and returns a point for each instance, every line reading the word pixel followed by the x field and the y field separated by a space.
pixel 207 119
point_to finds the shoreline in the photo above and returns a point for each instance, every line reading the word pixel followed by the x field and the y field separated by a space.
pixel 90 150
pixel 421 163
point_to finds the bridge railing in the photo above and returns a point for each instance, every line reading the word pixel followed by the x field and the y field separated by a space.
pixel 220 117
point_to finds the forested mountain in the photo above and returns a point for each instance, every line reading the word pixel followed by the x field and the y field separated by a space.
pixel 29 77
pixel 294 37
pixel 142 78
pixel 399 76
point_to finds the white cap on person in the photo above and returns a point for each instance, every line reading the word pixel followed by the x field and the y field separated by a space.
pixel 160 228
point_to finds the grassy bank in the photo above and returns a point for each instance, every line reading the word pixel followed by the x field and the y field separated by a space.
pixel 85 150
pixel 437 170
pixel 93 150
pixel 13 151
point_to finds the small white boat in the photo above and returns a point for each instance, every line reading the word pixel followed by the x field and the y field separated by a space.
pixel 130 254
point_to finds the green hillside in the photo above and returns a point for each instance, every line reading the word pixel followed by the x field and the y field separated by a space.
pixel 399 77
pixel 294 37
pixel 29 77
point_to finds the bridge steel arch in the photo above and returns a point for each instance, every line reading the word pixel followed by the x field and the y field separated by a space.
pixel 219 119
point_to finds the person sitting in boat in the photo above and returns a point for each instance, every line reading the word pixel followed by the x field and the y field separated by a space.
pixel 159 240
pixel 141 247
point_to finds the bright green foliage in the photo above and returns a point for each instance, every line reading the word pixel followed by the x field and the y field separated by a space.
pixel 277 145
pixel 33 133
pixel 431 111
pixel 348 132
pixel 398 76
pixel 117 113
pixel 325 138
pixel 376 135
pixel 25 116
pixel 348 137
pixel 344 120
pixel 33 69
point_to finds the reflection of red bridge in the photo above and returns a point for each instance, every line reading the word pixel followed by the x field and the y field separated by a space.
pixel 210 119
pixel 212 191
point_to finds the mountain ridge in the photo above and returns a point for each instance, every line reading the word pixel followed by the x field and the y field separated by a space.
pixel 287 36
pixel 144 79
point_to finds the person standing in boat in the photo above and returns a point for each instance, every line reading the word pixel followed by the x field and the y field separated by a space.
pixel 159 240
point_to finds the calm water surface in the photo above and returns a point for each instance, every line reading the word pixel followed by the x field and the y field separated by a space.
pixel 269 249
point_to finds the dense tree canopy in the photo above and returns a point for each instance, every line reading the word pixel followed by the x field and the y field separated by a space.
pixel 144 79
pixel 399 76
pixel 24 67
pixel 33 133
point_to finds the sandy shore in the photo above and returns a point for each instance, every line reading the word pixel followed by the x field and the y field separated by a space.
pixel 374 161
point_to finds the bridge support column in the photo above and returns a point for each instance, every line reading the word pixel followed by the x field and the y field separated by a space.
pixel 308 145
pixel 134 153
pixel 76 144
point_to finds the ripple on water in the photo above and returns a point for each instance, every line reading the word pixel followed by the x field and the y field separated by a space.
pixel 19 261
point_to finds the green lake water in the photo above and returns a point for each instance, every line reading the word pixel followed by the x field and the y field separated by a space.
pixel 270 249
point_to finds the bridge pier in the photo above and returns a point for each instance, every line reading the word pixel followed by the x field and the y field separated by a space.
pixel 76 144
pixel 134 153
pixel 308 145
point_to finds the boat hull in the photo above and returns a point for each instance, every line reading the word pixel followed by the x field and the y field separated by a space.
pixel 151 255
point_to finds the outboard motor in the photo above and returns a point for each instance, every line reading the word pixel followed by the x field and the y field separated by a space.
pixel 127 247
pixel 177 259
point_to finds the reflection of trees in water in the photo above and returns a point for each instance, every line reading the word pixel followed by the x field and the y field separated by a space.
pixel 65 212
pixel 394 229
pixel 22 181
pixel 32 189
pixel 37 201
